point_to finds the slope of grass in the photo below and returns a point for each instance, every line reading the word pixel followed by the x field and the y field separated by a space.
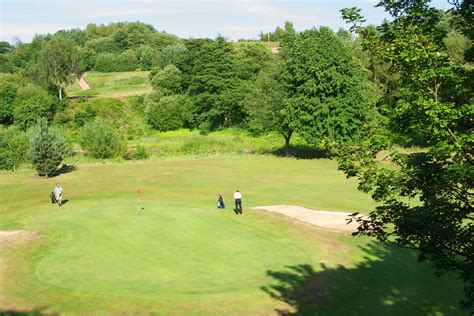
pixel 99 254
pixel 112 84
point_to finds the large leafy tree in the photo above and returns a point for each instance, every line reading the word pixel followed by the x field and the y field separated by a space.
pixel 209 73
pixel 31 102
pixel 59 62
pixel 265 104
pixel 328 94
pixel 436 97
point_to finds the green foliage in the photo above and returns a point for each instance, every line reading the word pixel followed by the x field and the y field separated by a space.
pixel 353 17
pixel 168 112
pixel 435 98
pixel 59 62
pixel 329 96
pixel 105 62
pixel 88 59
pixel 101 139
pixel 147 56
pixel 211 78
pixel 9 85
pixel 14 147
pixel 167 80
pixel 265 104
pixel 139 153
pixel 30 104
pixel 170 54
pixel 126 61
pixel 48 148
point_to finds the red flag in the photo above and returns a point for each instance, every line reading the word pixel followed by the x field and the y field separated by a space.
pixel 138 190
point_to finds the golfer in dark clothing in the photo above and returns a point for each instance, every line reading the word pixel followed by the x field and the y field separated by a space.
pixel 220 201
pixel 238 202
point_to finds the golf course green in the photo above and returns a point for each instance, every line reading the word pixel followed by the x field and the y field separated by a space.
pixel 178 254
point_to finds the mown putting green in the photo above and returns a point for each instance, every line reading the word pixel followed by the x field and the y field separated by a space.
pixel 182 255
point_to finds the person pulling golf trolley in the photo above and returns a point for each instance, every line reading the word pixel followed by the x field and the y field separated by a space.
pixel 57 195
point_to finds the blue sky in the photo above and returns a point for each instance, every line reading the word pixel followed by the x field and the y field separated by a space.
pixel 233 19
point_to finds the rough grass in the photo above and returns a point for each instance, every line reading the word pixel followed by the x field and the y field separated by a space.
pixel 182 256
pixel 112 84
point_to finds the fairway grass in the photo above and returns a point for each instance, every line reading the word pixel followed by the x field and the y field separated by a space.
pixel 112 84
pixel 180 255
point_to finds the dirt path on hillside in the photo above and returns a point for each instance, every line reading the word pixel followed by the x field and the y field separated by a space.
pixel 324 219
pixel 84 85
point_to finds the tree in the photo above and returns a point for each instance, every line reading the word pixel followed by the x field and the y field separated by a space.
pixel 31 102
pixel 105 62
pixel 436 97
pixel 266 104
pixel 59 62
pixel 9 85
pixel 101 139
pixel 167 80
pixel 48 148
pixel 168 112
pixel 209 70
pixel 14 147
pixel 352 16
pixel 328 94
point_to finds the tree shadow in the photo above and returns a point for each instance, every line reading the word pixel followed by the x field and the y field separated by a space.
pixel 39 311
pixel 300 152
pixel 389 281
pixel 65 168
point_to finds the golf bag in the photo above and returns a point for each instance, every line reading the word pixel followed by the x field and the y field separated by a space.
pixel 53 198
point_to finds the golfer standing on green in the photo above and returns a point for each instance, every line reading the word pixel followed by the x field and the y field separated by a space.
pixel 58 193
pixel 238 202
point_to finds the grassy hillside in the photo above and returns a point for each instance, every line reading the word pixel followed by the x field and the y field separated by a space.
pixel 112 84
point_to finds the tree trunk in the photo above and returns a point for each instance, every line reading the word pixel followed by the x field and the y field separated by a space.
pixel 287 136
pixel 60 92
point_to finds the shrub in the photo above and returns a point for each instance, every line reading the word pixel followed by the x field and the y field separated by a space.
pixel 47 149
pixel 140 153
pixel 9 85
pixel 168 113
pixel 167 80
pixel 105 62
pixel 101 139
pixel 14 147
pixel 31 103
pixel 126 61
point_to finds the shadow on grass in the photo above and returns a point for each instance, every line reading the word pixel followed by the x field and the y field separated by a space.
pixel 65 168
pixel 300 152
pixel 393 284
pixel 39 311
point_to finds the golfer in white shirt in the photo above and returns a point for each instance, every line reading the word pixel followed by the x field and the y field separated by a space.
pixel 238 202
pixel 58 193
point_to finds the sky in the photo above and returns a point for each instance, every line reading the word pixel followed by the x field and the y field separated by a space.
pixel 234 19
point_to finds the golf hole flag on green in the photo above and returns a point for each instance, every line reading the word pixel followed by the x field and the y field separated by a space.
pixel 138 192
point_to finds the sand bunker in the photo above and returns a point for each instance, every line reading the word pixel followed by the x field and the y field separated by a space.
pixel 324 219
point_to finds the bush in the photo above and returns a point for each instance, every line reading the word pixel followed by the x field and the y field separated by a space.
pixel 31 103
pixel 47 149
pixel 101 139
pixel 140 153
pixel 168 113
pixel 9 85
pixel 167 80
pixel 105 62
pixel 14 147
pixel 126 61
